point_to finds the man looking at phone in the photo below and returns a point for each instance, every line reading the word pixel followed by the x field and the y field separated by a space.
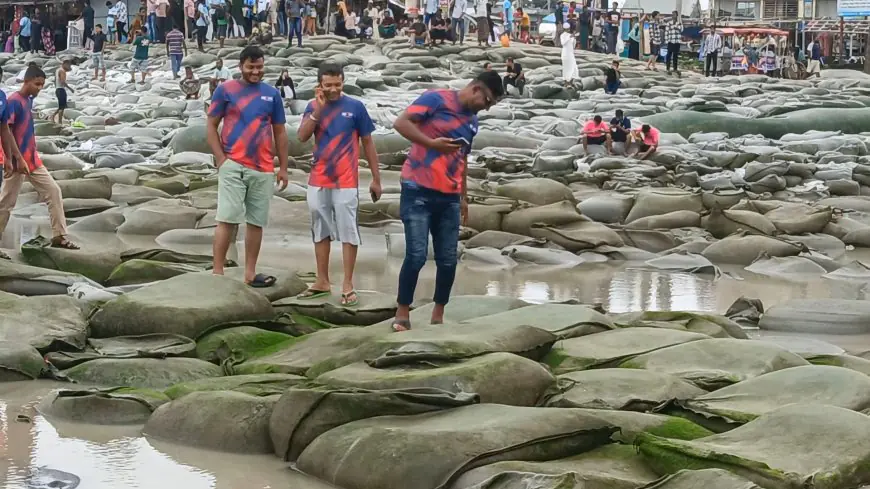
pixel 441 125
pixel 253 117
pixel 595 132
pixel 338 123
pixel 620 129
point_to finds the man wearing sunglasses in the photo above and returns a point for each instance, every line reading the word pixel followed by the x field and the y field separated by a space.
pixel 441 126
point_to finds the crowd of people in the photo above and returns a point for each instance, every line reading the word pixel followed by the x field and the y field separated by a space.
pixel 618 137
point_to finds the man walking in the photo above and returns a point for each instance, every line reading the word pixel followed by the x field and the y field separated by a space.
pixel 60 92
pixel 176 49
pixel 24 32
pixel 441 125
pixel 140 55
pixel 295 10
pixel 674 39
pixel 120 12
pixel 814 66
pixel 253 118
pixel 97 59
pixel 338 124
pixel 24 162
pixel 457 21
pixel 712 46
pixel 88 18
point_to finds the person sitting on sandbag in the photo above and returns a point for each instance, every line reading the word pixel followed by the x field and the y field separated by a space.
pixel 190 84
pixel 648 138
pixel 597 133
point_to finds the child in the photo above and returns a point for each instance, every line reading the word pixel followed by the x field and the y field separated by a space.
pixel 612 76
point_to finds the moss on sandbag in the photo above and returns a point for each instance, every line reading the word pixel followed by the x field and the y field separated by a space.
pixel 696 322
pixel 164 255
pixel 824 446
pixel 110 406
pixel 373 307
pixel 148 373
pixel 94 264
pixel 255 385
pixel 144 271
pixel 189 305
pixel 619 388
pixel 706 478
pixel 563 320
pixel 19 361
pixel 221 420
pixel 245 341
pixel 141 346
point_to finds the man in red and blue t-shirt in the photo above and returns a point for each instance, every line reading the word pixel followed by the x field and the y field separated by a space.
pixel 253 116
pixel 24 163
pixel 338 123
pixel 441 126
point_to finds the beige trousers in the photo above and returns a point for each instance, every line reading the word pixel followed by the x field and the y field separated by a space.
pixel 47 190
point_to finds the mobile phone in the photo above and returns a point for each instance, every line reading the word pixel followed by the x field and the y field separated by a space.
pixel 461 141
pixel 374 197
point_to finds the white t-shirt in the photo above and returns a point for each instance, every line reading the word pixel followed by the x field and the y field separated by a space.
pixel 459 9
pixel 481 8
pixel 350 21
pixel 222 74
pixel 262 5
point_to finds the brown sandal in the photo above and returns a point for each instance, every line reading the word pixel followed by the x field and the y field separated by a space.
pixel 62 242
pixel 400 325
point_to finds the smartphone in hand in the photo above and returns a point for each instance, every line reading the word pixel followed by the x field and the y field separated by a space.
pixel 374 196
pixel 461 142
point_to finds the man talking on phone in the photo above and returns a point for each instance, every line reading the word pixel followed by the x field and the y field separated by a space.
pixel 441 125
pixel 338 123
pixel 253 117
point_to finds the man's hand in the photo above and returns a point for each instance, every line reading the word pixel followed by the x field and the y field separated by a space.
pixel 220 160
pixel 444 145
pixel 376 190
pixel 282 179
pixel 320 98
pixel 21 166
pixel 463 211
pixel 8 169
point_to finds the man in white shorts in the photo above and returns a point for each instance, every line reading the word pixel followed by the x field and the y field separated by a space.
pixel 338 123
pixel 814 65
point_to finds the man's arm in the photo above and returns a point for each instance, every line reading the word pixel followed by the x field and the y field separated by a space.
pixel 371 153
pixel 214 140
pixel 184 45
pixel 309 123
pixel 409 130
pixel 282 145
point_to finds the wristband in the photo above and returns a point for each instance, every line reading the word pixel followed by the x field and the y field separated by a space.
pixel 313 118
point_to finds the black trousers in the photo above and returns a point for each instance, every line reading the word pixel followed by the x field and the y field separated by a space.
pixel 88 34
pixel 711 60
pixel 24 43
pixel 673 55
pixel 519 83
pixel 162 29
pixel 122 29
pixel 36 37
pixel 201 31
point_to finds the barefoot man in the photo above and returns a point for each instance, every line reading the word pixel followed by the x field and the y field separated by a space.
pixel 253 116
pixel 338 123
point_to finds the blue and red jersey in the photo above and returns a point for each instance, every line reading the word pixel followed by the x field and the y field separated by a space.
pixel 336 154
pixel 19 116
pixel 248 112
pixel 439 114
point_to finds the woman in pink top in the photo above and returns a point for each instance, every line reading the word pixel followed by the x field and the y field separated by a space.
pixel 649 141
pixel 595 132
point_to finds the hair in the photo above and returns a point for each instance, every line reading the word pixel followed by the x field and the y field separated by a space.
pixel 655 13
pixel 618 111
pixel 108 4
pixel 509 60
pixel 99 26
pixel 645 128
pixel 616 61
pixel 597 119
pixel 492 81
pixel 32 64
pixel 33 72
pixel 329 69
pixel 487 64
pixel 251 53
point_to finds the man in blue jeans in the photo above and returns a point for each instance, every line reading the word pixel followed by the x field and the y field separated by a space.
pixel 295 9
pixel 441 125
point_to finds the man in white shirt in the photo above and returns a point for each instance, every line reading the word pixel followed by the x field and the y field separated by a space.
pixel 711 48
pixel 263 11
pixel 431 8
pixel 457 22
pixel 220 75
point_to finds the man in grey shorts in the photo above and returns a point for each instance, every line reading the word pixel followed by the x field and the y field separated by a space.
pixel 338 123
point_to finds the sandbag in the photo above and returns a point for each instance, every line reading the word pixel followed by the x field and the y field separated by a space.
pixel 800 219
pixel 577 236
pixel 447 342
pixel 671 220
pixel 145 271
pixel 611 347
pixel 154 220
pixel 108 406
pixel 563 320
pixel 651 202
pixel 785 266
pixel 241 342
pixel 683 261
pixel 817 446
pixel 501 239
pixel 19 361
pixel 538 191
pixel 706 478
pixel 373 307
pixel 255 385
pixel 223 420
pixel 498 378
pixel 725 223
pixel 743 250
pixel 619 388
pixel 812 384
pixel 92 263
pixel 543 256
pixel 609 209
pixel 718 362
pixel 612 466
pixel 86 188
pixel 46 323
pixel 438 447
pixel 178 305
pixel 304 413
pixel 164 255
pixel 463 308
pixel 559 214
pixel 818 316
pixel 143 346
pixel 482 217
pixel 712 325
pixel 150 373
pixel 287 282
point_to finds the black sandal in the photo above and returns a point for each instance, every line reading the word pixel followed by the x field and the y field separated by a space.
pixel 261 281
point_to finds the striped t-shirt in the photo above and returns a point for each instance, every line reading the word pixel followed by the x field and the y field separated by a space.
pixel 175 39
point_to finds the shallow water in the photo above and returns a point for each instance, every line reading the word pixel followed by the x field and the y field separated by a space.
pixel 113 457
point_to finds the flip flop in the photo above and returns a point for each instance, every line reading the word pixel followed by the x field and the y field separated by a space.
pixel 261 281
pixel 400 325
pixel 313 294
pixel 349 299
pixel 4 256
pixel 62 242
